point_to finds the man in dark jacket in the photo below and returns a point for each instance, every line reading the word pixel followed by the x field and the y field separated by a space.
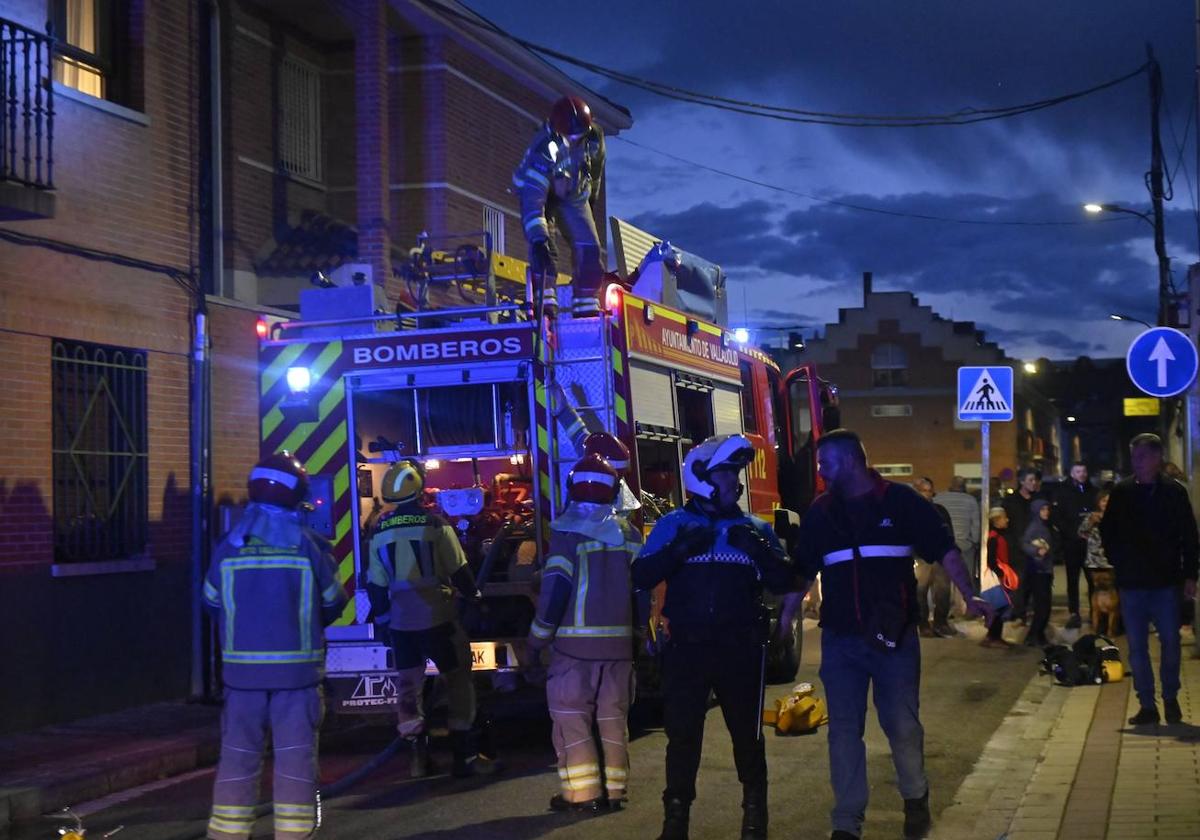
pixel 715 560
pixel 1149 535
pixel 860 536
pixel 1016 505
pixel 1074 499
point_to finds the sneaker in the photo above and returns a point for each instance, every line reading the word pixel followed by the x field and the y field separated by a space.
pixel 925 631
pixel 945 630
pixel 1171 711
pixel 1146 716
pixel 998 644
pixel 1074 622
pixel 917 819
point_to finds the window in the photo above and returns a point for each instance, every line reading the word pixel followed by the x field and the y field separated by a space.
pixel 87 33
pixel 300 118
pixel 889 366
pixel 493 223
pixel 891 410
pixel 894 470
pixel 100 452
pixel 749 408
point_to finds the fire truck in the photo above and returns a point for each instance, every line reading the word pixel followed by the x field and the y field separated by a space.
pixel 492 391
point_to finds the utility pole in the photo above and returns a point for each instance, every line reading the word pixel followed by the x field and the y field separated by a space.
pixel 1155 183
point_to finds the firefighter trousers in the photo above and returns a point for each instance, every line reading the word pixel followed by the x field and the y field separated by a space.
pixel 732 669
pixel 448 648
pixel 573 218
pixel 583 693
pixel 294 717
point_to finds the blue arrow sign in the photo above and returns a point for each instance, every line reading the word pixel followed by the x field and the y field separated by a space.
pixel 985 393
pixel 1162 362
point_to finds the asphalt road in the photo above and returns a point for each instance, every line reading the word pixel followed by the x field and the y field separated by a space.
pixel 966 692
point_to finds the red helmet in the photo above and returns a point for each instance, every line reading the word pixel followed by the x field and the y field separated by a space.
pixel 570 116
pixel 609 448
pixel 592 479
pixel 278 479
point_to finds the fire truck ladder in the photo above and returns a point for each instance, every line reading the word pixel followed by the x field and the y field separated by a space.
pixel 579 373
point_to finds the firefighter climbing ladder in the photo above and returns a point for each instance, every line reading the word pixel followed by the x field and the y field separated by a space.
pixel 579 383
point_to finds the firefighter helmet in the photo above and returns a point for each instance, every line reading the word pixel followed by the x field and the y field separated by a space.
pixel 592 479
pixel 278 479
pixel 570 116
pixel 719 452
pixel 403 482
pixel 608 447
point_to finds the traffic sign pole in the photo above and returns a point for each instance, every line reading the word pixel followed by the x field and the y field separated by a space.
pixel 985 495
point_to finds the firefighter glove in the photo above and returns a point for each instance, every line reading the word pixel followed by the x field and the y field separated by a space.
pixel 541 261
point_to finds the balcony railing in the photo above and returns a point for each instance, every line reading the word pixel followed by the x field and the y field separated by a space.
pixel 26 106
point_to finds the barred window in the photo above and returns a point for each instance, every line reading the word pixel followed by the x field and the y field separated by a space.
pixel 100 452
pixel 493 223
pixel 300 118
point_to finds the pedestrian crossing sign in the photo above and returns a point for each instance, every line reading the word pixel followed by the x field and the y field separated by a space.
pixel 985 393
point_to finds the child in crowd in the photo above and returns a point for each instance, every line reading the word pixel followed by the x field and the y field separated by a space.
pixel 999 564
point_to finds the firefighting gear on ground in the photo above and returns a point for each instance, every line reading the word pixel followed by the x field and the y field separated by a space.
pixel 558 183
pixel 76 831
pixel 272 588
pixel 799 713
pixel 1092 660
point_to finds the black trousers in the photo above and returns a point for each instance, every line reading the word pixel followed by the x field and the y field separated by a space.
pixel 732 669
pixel 1074 553
pixel 1040 588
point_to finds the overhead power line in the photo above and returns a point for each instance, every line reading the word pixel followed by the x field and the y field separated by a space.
pixel 929 217
pixel 961 116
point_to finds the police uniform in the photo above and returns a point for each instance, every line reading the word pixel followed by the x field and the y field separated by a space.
pixel 560 180
pixel 585 609
pixel 272 588
pixel 717 637
pixel 415 558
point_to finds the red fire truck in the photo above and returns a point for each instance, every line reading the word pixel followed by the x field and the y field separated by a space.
pixel 491 394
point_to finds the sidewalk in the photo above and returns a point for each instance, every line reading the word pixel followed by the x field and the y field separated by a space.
pixel 1066 765
pixel 47 770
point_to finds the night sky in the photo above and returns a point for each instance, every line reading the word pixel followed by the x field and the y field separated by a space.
pixel 1037 290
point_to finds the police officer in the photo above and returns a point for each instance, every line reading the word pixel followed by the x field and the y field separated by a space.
pixel 715 560
pixel 415 559
pixel 273 652
pixel 559 178
pixel 585 610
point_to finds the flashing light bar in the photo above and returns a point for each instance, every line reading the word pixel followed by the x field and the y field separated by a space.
pixel 299 380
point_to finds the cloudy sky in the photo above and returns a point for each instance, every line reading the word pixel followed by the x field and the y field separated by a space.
pixel 1039 290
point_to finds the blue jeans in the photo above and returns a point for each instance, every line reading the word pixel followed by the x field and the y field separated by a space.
pixel 848 665
pixel 1139 607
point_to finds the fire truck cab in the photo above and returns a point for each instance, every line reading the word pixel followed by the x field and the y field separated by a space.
pixel 493 394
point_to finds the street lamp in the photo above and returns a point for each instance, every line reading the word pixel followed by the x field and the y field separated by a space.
pixel 1117 316
pixel 1160 248
pixel 1030 367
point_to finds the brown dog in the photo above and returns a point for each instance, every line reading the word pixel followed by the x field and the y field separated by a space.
pixel 1106 603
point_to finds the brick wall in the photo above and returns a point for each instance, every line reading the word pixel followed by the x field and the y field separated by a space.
pixel 235 420
pixel 125 185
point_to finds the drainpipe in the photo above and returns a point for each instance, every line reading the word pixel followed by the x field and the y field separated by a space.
pixel 201 675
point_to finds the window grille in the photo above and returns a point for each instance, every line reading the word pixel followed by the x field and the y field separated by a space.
pixel 493 223
pixel 100 452
pixel 300 118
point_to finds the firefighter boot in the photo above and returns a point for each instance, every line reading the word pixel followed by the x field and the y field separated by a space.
pixel 468 761
pixel 754 812
pixel 675 819
pixel 419 763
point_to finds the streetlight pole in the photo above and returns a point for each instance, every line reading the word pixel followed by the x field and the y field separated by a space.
pixel 1155 182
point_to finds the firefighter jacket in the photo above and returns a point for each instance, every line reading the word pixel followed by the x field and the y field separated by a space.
pixel 586 602
pixel 714 588
pixel 863 549
pixel 272 587
pixel 415 560
pixel 555 170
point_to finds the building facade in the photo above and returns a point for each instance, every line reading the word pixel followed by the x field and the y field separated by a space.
pixel 895 365
pixel 192 158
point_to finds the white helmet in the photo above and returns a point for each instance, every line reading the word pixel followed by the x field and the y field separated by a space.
pixel 717 452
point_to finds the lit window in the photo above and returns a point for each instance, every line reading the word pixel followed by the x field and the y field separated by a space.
pixel 300 118
pixel 84 31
